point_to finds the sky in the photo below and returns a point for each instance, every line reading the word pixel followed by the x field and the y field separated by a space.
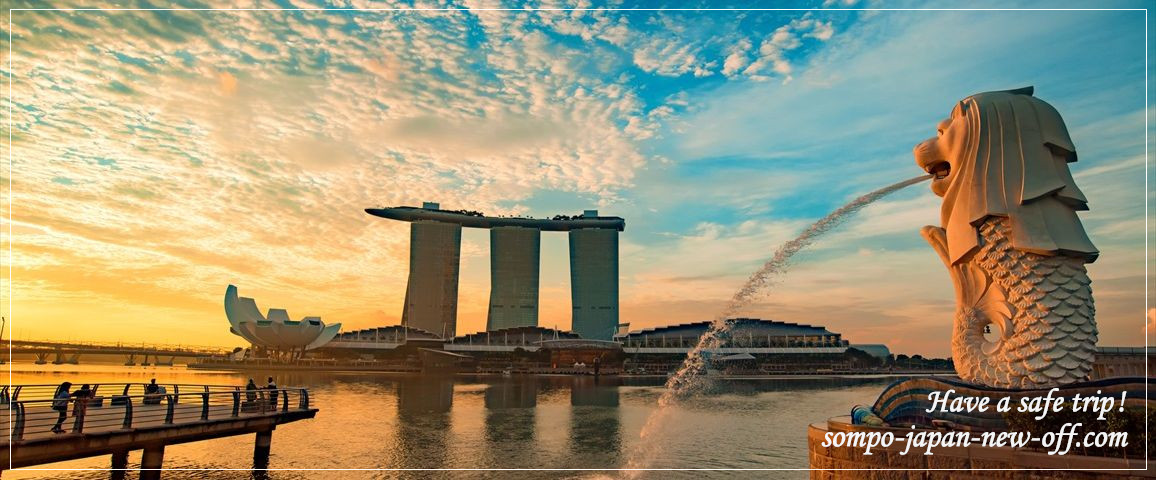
pixel 158 156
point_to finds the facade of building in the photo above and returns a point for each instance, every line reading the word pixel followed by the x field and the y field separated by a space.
pixel 1122 362
pixel 395 343
pixel 587 353
pixel 391 336
pixel 507 339
pixel 435 250
pixel 274 331
pixel 749 335
pixel 515 256
pixel 750 346
pixel 746 335
pixel 594 282
pixel 431 296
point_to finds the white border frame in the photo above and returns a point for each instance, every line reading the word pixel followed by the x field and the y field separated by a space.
pixel 11 126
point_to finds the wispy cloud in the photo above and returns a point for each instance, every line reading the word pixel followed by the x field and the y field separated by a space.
pixel 158 156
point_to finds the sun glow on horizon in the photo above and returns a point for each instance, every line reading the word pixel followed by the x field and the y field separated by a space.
pixel 159 156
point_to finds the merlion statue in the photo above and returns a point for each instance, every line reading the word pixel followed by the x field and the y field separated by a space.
pixel 1012 242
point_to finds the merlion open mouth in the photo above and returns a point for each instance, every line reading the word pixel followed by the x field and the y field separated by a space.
pixel 940 169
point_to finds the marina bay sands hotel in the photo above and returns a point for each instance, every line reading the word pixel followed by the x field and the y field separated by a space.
pixel 431 296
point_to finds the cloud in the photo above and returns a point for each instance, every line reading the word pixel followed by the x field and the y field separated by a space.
pixel 846 126
pixel 774 48
pixel 668 58
pixel 245 151
pixel 737 58
pixel 227 83
pixel 161 155
pixel 480 136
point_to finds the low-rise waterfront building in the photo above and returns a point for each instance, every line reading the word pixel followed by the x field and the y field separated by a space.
pixel 274 333
pixel 750 335
pixel 1122 362
pixel 748 345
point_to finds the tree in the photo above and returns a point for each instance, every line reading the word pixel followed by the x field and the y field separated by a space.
pixel 860 359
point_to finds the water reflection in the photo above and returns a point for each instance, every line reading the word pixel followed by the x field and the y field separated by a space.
pixel 594 392
pixel 423 421
pixel 595 424
pixel 510 421
pixel 406 421
pixel 511 393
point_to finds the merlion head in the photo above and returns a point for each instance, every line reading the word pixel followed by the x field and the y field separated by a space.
pixel 1006 153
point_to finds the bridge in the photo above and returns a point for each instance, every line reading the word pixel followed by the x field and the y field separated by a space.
pixel 70 352
pixel 121 417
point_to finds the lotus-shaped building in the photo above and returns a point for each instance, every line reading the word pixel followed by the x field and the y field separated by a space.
pixel 274 330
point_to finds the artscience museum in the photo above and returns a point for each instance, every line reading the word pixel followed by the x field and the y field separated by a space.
pixel 274 331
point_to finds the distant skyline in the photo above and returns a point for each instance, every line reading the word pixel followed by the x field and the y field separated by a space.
pixel 158 156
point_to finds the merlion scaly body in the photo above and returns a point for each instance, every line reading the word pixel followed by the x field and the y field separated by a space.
pixel 1012 242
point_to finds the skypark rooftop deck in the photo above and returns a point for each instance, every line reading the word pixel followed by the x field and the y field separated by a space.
pixel 476 220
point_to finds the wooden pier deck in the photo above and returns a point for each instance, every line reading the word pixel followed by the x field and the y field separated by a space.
pixel 114 425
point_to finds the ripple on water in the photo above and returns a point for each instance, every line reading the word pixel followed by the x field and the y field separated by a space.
pixel 382 421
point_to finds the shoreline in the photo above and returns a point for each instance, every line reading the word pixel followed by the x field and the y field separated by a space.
pixel 563 373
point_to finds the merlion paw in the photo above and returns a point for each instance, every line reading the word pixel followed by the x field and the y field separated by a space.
pixel 937 238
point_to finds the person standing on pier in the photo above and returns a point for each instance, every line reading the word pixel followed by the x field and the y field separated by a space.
pixel 251 391
pixel 60 404
pixel 80 405
pixel 272 387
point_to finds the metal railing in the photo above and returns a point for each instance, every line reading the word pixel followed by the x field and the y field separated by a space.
pixel 15 393
pixel 101 413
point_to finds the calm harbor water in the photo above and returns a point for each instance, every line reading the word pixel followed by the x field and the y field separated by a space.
pixel 391 421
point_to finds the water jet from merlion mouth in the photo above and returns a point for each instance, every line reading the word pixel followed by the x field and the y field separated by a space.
pixel 689 379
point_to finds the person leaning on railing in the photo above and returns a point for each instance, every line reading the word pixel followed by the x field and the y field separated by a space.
pixel 250 397
pixel 60 404
pixel 153 393
pixel 272 387
pixel 80 403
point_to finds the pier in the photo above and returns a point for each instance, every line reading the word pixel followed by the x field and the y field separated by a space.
pixel 118 418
